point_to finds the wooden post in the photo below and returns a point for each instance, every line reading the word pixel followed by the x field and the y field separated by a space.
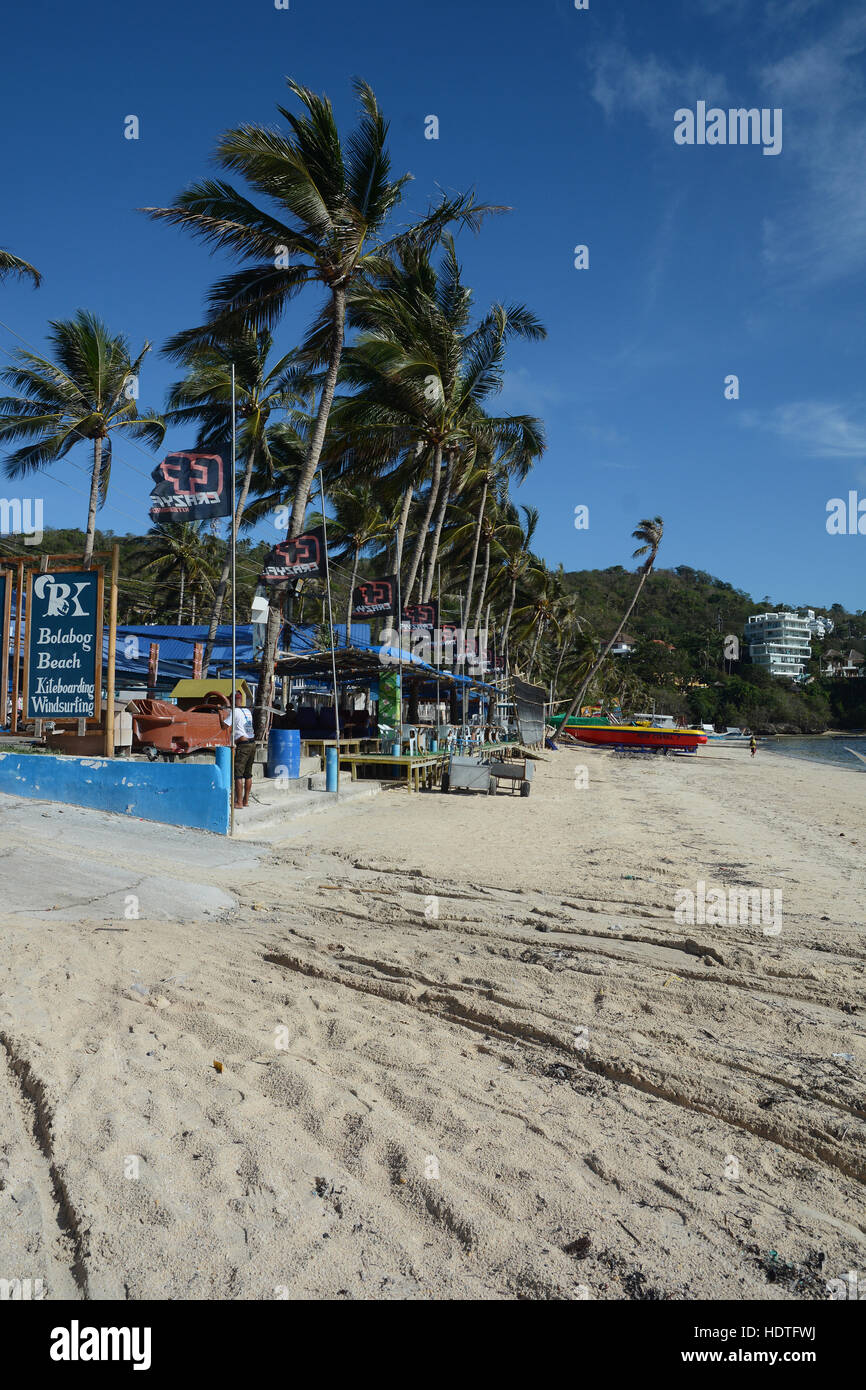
pixel 5 614
pixel 16 657
pixel 112 652
pixel 37 723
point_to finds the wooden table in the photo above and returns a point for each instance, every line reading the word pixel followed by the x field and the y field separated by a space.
pixel 424 768
pixel 312 746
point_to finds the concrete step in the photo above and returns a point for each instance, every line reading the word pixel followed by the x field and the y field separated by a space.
pixel 268 815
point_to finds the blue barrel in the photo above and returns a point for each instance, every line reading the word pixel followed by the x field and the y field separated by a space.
pixel 395 750
pixel 434 745
pixel 332 770
pixel 284 753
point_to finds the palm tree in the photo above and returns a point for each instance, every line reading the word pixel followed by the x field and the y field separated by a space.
pixel 358 522
pixel 649 532
pixel 572 624
pixel 518 559
pixel 179 548
pixel 334 200
pixel 542 610
pixel 420 375
pixel 83 393
pixel 13 265
pixel 263 390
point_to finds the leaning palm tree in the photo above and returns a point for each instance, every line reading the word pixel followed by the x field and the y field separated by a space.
pixel 85 391
pixel 649 532
pixel 333 200
pixel 264 391
pixel 13 265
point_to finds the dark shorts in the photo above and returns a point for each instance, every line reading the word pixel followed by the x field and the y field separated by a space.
pixel 244 756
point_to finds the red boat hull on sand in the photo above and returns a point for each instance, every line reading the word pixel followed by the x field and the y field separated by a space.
pixel 628 736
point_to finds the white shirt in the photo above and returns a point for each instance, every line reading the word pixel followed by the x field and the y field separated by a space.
pixel 243 723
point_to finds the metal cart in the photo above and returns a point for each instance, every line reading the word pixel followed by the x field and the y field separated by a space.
pixel 518 771
pixel 483 774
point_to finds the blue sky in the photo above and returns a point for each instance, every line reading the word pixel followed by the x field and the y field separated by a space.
pixel 705 261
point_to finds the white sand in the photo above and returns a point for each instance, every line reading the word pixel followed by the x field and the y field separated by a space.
pixel 458 1097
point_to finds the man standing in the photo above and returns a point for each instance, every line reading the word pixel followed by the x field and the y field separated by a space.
pixel 245 751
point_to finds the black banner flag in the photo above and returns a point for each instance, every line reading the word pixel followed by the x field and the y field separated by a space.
pixel 374 598
pixel 300 558
pixel 190 487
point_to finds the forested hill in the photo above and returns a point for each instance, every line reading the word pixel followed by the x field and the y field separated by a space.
pixel 679 605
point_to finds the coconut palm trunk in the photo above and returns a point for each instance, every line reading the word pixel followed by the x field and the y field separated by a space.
pixel 476 540
pixel 264 693
pixel 355 558
pixel 538 632
pixel 650 532
pixel 508 616
pixel 93 502
pixel 484 577
pixel 180 604
pixel 425 524
pixel 401 529
pixel 444 491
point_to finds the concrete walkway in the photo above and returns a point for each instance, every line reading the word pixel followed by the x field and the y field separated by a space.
pixel 72 863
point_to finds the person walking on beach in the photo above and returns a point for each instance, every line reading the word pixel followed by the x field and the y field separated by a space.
pixel 753 745
pixel 245 750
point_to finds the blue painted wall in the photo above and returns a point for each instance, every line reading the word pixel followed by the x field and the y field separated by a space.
pixel 194 795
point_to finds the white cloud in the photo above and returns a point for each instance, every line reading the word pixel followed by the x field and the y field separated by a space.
pixel 625 83
pixel 821 234
pixel 822 429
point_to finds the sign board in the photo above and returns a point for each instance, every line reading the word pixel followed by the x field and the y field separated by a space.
pixel 390 705
pixel 63 654
pixel 5 610
pixel 303 557
pixel 374 598
pixel 190 487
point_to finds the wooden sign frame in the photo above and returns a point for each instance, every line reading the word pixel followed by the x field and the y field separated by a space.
pixel 96 717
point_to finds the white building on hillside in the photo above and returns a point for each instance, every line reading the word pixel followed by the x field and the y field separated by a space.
pixel 819 626
pixel 780 643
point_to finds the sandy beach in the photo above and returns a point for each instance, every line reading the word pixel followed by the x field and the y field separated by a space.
pixel 465 1050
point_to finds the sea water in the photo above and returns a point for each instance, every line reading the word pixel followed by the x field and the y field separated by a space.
pixel 819 750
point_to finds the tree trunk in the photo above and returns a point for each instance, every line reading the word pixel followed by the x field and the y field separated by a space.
pixel 93 502
pixel 264 693
pixel 180 605
pixel 444 492
pixel 425 525
pixel 192 611
pixel 538 632
pixel 219 596
pixel 508 618
pixel 475 543
pixel 401 529
pixel 484 578
pixel 578 699
pixel 349 599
